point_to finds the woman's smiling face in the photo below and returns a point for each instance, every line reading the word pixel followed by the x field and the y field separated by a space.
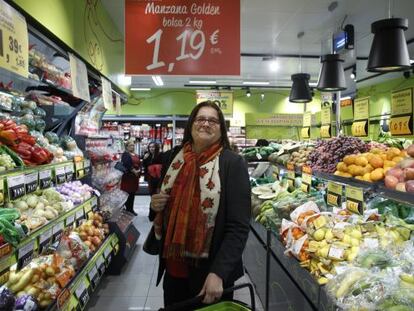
pixel 205 130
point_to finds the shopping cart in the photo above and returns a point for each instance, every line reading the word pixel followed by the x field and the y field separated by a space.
pixel 233 305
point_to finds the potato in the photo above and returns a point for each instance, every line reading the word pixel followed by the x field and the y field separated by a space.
pixel 389 163
pixel 341 166
pixel 367 177
pixel 409 186
pixel 390 181
pixel 350 159
pixel 377 174
pixel 361 161
pixel 351 169
pixel 393 152
pixel 368 168
pixel 409 173
pixel 410 150
pixel 396 172
pixel 358 171
pixel 376 161
pixel 397 159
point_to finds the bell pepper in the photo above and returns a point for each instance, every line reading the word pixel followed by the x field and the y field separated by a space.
pixel 23 151
pixel 20 129
pixel 27 139
pixel 39 156
pixel 8 124
pixel 8 137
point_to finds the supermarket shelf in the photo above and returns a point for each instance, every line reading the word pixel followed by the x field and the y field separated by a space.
pixel 76 293
pixel 46 232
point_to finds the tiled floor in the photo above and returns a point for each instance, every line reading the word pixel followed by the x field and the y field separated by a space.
pixel 135 288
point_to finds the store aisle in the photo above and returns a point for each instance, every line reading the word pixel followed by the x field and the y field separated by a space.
pixel 135 289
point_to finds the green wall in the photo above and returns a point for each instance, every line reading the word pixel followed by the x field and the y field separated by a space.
pixel 182 101
pixel 86 27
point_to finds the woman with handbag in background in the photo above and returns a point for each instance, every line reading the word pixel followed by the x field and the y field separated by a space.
pixel 203 211
pixel 130 178
pixel 152 170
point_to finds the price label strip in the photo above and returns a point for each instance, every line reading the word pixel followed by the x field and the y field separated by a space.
pixel 334 194
pixel 31 182
pixel 14 41
pixel 291 178
pixel 94 204
pixel 306 182
pixel 70 220
pixel 325 131
pixel 80 215
pixel 25 254
pixel 108 254
pixel 45 238
pixel 305 132
pixel 69 172
pixel 94 276
pixel 100 263
pixel 58 231
pixel 80 172
pixel 354 199
pixel 401 126
pixel 16 186
pixel 360 128
pixel 45 178
pixel 60 175
pixel 82 293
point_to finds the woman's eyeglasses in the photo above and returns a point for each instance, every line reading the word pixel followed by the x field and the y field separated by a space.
pixel 210 121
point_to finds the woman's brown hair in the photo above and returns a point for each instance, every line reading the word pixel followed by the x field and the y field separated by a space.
pixel 212 104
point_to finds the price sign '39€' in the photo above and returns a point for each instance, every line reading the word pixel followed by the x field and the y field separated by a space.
pixel 182 37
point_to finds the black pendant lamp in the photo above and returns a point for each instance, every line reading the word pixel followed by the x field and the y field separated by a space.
pixel 332 75
pixel 300 92
pixel 389 51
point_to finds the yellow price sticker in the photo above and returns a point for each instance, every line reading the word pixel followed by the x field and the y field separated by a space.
pixel 305 132
pixel 354 207
pixel 358 129
pixel 304 187
pixel 325 131
pixel 14 39
pixel 401 125
pixel 333 199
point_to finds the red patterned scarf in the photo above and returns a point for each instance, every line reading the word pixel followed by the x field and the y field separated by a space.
pixel 193 183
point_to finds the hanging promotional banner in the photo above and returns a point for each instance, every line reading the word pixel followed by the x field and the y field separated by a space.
pixel 14 41
pixel 182 37
pixel 360 126
pixel 223 99
pixel 79 76
pixel 107 94
pixel 401 112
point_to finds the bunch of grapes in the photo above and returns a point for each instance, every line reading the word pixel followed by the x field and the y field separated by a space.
pixel 328 153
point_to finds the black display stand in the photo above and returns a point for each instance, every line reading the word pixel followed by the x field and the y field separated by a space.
pixel 123 226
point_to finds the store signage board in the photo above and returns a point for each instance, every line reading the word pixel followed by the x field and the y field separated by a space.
pixel 307 119
pixel 354 199
pixel 182 37
pixel 79 76
pixel 45 178
pixel 16 186
pixel 31 182
pixel 305 132
pixel 280 119
pixel 325 131
pixel 401 125
pixel 107 94
pixel 306 182
pixel 14 41
pixel 326 115
pixel 402 102
pixel 223 99
pixel 334 194
pixel 360 126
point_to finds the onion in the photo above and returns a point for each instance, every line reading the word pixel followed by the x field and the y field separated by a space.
pixel 391 181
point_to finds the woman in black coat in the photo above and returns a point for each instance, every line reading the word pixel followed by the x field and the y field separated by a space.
pixel 203 211
pixel 152 172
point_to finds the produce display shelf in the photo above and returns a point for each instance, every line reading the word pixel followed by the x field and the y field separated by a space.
pixel 75 295
pixel 28 169
pixel 46 232
pixel 379 187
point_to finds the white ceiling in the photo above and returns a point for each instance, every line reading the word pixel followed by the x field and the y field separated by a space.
pixel 271 27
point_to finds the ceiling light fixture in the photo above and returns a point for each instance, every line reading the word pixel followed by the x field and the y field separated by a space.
pixel 202 82
pixel 332 75
pixel 248 93
pixel 262 96
pixel 300 92
pixel 140 89
pixel 256 82
pixel 274 65
pixel 157 80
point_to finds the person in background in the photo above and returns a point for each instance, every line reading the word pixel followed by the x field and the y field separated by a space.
pixel 152 170
pixel 130 178
pixel 203 211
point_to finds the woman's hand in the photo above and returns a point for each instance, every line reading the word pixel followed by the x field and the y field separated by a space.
pixel 158 201
pixel 212 289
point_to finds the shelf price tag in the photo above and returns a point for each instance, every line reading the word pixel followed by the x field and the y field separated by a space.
pixel 60 175
pixel 45 178
pixel 402 102
pixel 45 238
pixel 94 276
pixel 401 125
pixel 63 298
pixel 276 172
pixel 25 254
pixel 31 180
pixel 360 128
pixel 80 215
pixel 14 41
pixel 58 231
pixel 334 194
pixel 5 250
pixel 291 174
pixel 81 292
pixel 87 166
pixel 325 131
pixel 306 179
pixel 16 186
pixel 354 199
pixel 100 263
pixel 69 172
pixel 1 192
pixel 305 132
pixel 307 119
pixel 94 203
pixel 4 276
pixel 79 169
pixel 70 220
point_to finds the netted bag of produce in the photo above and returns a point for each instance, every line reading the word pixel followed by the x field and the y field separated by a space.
pixel 298 248
pixel 74 251
pixel 300 213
